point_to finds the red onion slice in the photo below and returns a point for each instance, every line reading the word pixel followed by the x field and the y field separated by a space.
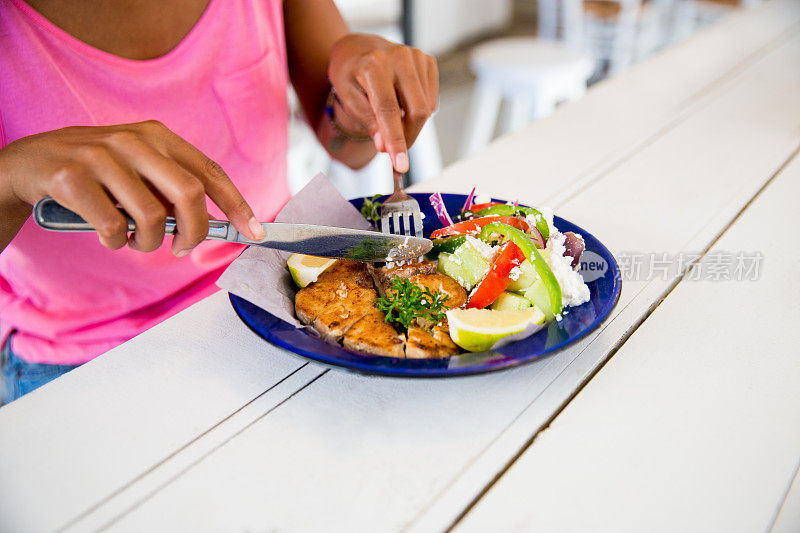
pixel 441 211
pixel 574 247
pixel 468 203
pixel 537 238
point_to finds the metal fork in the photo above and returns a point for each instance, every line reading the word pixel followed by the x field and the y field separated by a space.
pixel 400 213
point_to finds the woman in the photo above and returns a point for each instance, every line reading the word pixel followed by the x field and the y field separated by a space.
pixel 166 108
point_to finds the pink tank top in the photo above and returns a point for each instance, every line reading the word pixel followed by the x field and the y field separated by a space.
pixel 223 89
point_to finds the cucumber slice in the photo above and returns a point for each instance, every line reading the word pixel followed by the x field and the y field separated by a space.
pixel 537 294
pixel 466 265
pixel 526 278
pixel 448 244
pixel 511 302
pixel 451 266
pixel 473 263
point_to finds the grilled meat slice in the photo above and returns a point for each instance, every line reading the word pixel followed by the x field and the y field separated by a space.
pixel 441 333
pixel 340 306
pixel 373 336
pixel 424 344
pixel 437 282
pixel 384 276
pixel 426 341
pixel 339 278
pixel 353 271
pixel 340 314
pixel 311 300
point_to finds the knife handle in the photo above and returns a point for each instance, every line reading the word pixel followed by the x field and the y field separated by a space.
pixel 51 215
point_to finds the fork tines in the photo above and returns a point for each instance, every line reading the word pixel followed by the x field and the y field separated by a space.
pixel 401 218
pixel 402 222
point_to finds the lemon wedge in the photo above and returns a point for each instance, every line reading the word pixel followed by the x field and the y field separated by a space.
pixel 478 330
pixel 306 268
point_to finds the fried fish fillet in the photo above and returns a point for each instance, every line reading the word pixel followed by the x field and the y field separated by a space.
pixel 310 301
pixel 347 309
pixel 428 342
pixel 424 344
pixel 372 335
pixel 337 280
pixel 343 269
pixel 443 283
pixel 340 306
pixel 384 276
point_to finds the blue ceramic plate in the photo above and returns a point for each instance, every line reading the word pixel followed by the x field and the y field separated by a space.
pixel 577 321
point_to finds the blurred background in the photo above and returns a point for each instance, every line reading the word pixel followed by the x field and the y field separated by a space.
pixel 503 64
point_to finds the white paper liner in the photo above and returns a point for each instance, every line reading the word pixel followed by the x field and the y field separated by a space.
pixel 260 275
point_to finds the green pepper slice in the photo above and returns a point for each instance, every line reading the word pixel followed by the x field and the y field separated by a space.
pixel 447 244
pixel 531 254
pixel 504 210
pixel 541 223
pixel 511 210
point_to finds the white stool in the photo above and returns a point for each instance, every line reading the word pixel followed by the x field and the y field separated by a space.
pixel 532 74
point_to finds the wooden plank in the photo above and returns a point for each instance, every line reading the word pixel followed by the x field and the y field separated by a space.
pixel 375 438
pixel 90 434
pixel 695 424
pixel 641 225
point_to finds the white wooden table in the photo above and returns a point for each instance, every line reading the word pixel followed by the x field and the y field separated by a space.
pixel 681 413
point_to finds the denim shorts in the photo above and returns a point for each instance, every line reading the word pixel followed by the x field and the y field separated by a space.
pixel 19 377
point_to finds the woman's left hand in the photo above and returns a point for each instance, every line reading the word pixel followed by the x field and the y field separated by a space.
pixel 385 89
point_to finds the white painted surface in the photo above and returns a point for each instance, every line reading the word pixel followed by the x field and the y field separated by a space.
pixel 69 445
pixel 387 453
pixel 694 425
pixel 375 453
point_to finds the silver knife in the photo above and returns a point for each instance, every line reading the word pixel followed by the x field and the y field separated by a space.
pixel 309 239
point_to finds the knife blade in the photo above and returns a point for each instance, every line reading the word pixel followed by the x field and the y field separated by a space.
pixel 324 241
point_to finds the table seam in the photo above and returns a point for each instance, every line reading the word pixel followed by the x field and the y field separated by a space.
pixel 99 504
pixel 786 492
pixel 200 459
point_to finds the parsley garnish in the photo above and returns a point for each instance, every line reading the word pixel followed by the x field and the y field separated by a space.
pixel 370 209
pixel 406 302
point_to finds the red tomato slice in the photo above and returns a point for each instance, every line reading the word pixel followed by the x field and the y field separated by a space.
pixel 497 279
pixel 476 225
pixel 478 207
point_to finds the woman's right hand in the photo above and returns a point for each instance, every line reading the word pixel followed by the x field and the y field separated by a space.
pixel 145 168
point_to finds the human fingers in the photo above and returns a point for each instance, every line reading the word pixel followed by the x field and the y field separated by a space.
pixel 377 80
pixel 75 188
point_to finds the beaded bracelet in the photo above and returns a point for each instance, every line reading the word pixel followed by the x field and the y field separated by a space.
pixel 341 132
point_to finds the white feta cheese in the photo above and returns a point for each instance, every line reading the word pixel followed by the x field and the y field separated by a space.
pixel 483 248
pixel 573 289
pixel 481 199
pixel 515 273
